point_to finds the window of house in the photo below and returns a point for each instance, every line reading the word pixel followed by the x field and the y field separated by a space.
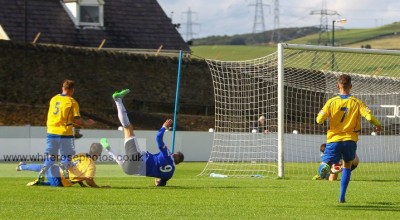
pixel 86 14
pixel 90 15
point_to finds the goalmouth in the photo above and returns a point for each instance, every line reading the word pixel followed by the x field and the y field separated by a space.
pixel 289 88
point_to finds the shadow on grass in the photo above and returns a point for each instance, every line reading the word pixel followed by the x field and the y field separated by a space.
pixel 177 187
pixel 193 187
pixel 378 206
pixel 383 181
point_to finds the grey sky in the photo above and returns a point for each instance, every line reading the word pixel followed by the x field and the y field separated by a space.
pixel 230 17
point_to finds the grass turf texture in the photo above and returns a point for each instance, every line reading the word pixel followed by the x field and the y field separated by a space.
pixel 190 197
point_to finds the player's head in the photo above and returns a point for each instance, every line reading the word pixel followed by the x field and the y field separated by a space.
pixel 261 119
pixel 344 81
pixel 322 148
pixel 178 157
pixel 95 151
pixel 68 87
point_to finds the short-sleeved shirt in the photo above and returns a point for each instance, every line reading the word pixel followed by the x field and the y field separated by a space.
pixel 60 117
pixel 345 113
pixel 82 167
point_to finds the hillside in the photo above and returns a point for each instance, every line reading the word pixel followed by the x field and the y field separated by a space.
pixel 256 39
pixel 310 35
pixel 217 47
pixel 379 37
pixel 231 52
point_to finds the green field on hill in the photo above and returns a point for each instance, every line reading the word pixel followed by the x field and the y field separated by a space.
pixel 355 37
pixel 385 37
pixel 188 196
pixel 231 53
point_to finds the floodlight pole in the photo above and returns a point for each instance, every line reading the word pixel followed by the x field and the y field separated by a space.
pixel 343 20
pixel 333 33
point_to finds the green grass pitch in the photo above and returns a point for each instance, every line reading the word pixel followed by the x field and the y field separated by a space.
pixel 188 196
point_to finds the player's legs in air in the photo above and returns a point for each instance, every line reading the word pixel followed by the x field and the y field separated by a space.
pixel 132 160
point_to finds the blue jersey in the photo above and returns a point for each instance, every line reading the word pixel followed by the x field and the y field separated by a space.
pixel 160 165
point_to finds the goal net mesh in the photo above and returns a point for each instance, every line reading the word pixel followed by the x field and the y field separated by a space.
pixel 246 90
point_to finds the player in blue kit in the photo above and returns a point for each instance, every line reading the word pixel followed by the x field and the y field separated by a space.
pixel 137 162
pixel 344 112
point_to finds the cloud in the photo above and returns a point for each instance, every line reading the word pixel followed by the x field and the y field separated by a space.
pixel 231 17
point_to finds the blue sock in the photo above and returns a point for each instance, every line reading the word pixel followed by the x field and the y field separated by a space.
pixel 344 182
pixel 32 167
pixel 49 161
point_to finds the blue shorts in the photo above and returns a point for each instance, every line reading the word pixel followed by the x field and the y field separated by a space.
pixel 53 176
pixel 63 143
pixel 336 151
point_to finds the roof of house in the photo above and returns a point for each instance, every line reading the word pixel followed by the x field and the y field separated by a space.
pixel 135 24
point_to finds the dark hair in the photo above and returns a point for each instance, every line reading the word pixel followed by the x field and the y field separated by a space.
pixel 322 148
pixel 179 157
pixel 345 81
pixel 68 84
pixel 95 150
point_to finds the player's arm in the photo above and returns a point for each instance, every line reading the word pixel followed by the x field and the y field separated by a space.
pixel 91 183
pixel 373 120
pixel 160 137
pixel 82 184
pixel 79 122
pixel 160 182
pixel 367 114
pixel 323 114
pixel 89 174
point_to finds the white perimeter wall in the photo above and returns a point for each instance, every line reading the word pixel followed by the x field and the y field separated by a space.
pixel 27 140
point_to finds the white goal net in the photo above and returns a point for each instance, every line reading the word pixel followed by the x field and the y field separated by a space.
pixel 289 88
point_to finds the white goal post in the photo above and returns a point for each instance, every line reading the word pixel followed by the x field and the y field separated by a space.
pixel 289 88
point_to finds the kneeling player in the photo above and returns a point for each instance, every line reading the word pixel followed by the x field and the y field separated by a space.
pixel 335 168
pixel 82 170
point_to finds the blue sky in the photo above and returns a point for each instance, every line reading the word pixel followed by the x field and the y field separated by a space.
pixel 230 17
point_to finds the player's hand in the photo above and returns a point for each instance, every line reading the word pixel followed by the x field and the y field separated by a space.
pixel 160 182
pixel 378 128
pixel 157 181
pixel 89 122
pixel 167 123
